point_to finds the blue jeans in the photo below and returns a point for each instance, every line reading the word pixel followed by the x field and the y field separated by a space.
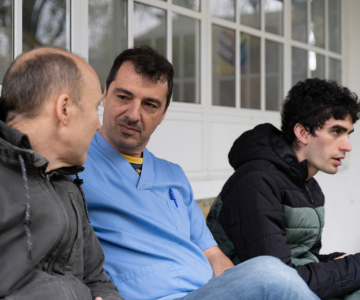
pixel 262 277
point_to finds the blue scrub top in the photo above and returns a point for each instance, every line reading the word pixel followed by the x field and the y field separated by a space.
pixel 153 249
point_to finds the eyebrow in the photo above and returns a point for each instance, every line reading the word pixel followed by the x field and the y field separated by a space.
pixel 121 90
pixel 342 128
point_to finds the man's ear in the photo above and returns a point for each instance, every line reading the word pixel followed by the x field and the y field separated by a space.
pixel 64 108
pixel 104 97
pixel 301 133
pixel 163 116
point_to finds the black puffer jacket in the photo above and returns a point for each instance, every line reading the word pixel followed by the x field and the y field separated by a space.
pixel 48 250
pixel 269 209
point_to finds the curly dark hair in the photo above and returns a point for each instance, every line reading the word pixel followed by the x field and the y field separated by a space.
pixel 314 101
pixel 147 62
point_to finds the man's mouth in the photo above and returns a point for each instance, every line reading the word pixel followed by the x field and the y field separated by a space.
pixel 337 160
pixel 128 129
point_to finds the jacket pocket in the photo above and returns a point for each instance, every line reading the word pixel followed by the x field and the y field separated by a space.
pixel 148 282
pixel 76 245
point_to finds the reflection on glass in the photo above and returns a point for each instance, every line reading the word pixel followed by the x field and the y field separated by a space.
pixel 250 71
pixel 107 34
pixel 192 4
pixel 5 36
pixel 223 66
pixel 334 26
pixel 317 65
pixel 274 10
pixel 299 65
pixel 150 27
pixel 335 70
pixel 274 75
pixel 224 9
pixel 186 63
pixel 317 33
pixel 299 20
pixel 46 23
pixel 250 13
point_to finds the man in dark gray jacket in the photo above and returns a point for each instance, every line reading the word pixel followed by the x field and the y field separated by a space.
pixel 48 249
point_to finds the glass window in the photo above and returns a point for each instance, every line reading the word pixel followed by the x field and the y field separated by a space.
pixel 5 37
pixel 335 70
pixel 150 27
pixel 223 66
pixel 299 20
pixel 274 10
pixel 317 65
pixel 192 4
pixel 299 65
pixel 186 55
pixel 274 75
pixel 334 26
pixel 107 34
pixel 224 9
pixel 250 71
pixel 46 23
pixel 317 32
pixel 250 13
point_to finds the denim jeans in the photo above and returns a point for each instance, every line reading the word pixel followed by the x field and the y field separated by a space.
pixel 262 277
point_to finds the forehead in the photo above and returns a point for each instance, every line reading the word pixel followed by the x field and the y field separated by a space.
pixel 127 78
pixel 347 123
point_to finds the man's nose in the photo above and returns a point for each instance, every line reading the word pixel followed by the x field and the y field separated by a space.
pixel 345 145
pixel 133 111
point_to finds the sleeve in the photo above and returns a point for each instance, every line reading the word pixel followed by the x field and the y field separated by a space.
pixel 253 218
pixel 199 232
pixel 94 273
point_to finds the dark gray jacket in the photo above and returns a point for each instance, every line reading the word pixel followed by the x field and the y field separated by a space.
pixel 53 252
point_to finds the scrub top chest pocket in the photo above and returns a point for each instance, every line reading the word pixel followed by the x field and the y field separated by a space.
pixel 179 213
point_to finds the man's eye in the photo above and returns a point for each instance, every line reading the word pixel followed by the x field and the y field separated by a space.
pixel 150 105
pixel 122 97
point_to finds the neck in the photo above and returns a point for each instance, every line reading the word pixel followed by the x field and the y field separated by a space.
pixel 42 139
pixel 301 156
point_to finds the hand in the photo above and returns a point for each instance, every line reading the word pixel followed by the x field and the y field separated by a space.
pixel 98 298
pixel 342 256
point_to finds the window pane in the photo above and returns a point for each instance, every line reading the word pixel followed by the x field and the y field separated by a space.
pixel 46 23
pixel 223 66
pixel 107 34
pixel 317 65
pixel 250 71
pixel 150 27
pixel 250 13
pixel 317 34
pixel 335 70
pixel 186 52
pixel 299 65
pixel 274 10
pixel 5 37
pixel 224 9
pixel 192 4
pixel 334 26
pixel 299 20
pixel 274 75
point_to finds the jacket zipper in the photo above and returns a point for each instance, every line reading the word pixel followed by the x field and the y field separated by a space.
pixel 52 260
pixel 312 202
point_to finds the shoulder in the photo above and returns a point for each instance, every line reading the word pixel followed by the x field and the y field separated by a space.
pixel 166 166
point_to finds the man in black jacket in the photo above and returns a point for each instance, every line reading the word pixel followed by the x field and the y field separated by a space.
pixel 48 249
pixel 272 205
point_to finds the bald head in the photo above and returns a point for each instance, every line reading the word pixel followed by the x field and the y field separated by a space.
pixel 39 75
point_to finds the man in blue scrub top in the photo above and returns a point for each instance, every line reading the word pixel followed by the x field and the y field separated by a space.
pixel 153 233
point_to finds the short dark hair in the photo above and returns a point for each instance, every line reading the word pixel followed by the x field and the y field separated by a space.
pixel 29 82
pixel 147 62
pixel 314 101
